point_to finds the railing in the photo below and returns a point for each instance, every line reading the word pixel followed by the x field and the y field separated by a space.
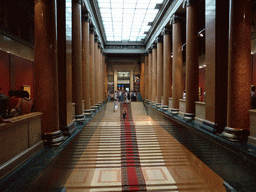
pixel 20 140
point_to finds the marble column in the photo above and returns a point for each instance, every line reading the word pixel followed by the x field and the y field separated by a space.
pixel 142 76
pixel 66 121
pixel 92 66
pixel 46 71
pixel 100 76
pixel 192 66
pixel 77 60
pixel 239 69
pixel 177 63
pixel 146 76
pixel 159 73
pixel 167 66
pixel 86 62
pixel 106 79
pixel 216 57
pixel 131 80
pixel 96 101
pixel 154 73
pixel 150 75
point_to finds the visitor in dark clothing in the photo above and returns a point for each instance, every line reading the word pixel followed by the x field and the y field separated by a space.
pixel 12 107
pixel 253 97
pixel 3 104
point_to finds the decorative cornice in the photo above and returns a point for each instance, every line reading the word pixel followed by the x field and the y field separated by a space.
pixel 167 10
pixel 124 47
pixel 92 7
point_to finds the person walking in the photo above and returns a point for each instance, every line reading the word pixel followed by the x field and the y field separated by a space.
pixel 124 114
pixel 115 105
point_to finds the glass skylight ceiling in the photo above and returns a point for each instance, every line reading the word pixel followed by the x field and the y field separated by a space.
pixel 127 20
pixel 68 20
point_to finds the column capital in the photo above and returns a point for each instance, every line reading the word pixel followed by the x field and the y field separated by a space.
pixel 153 46
pixel 166 30
pixel 85 16
pixel 146 54
pixel 99 45
pixel 92 28
pixel 149 51
pixel 77 1
pixel 187 3
pixel 95 38
pixel 176 18
pixel 159 39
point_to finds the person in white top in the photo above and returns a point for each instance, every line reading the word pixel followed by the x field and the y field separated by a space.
pixel 115 96
pixel 184 94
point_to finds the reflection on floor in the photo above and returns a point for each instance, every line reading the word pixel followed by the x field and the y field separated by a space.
pixel 108 148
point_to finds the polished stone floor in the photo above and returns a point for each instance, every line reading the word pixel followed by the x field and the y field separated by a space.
pixel 93 160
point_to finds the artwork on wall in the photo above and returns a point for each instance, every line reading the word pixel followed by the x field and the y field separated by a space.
pixel 110 78
pixel 28 89
pixel 136 79
pixel 111 87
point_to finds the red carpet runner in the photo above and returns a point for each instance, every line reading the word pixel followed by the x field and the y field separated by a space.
pixel 132 176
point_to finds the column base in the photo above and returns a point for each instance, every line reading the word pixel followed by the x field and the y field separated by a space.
pixel 94 108
pixel 87 113
pixel 174 111
pixel 53 139
pixel 165 107
pixel 236 135
pixel 158 105
pixel 149 102
pixel 80 119
pixel 213 127
pixel 67 130
pixel 189 116
pixel 153 103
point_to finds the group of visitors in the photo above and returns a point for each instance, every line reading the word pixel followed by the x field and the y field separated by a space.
pixel 18 103
pixel 125 96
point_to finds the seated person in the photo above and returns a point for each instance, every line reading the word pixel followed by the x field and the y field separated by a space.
pixel 12 106
pixel 25 103
pixel 253 97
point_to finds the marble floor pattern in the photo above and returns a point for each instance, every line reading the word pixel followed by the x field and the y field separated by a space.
pixel 92 161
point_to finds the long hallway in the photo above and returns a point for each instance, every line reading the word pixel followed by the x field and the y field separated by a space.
pixel 137 154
